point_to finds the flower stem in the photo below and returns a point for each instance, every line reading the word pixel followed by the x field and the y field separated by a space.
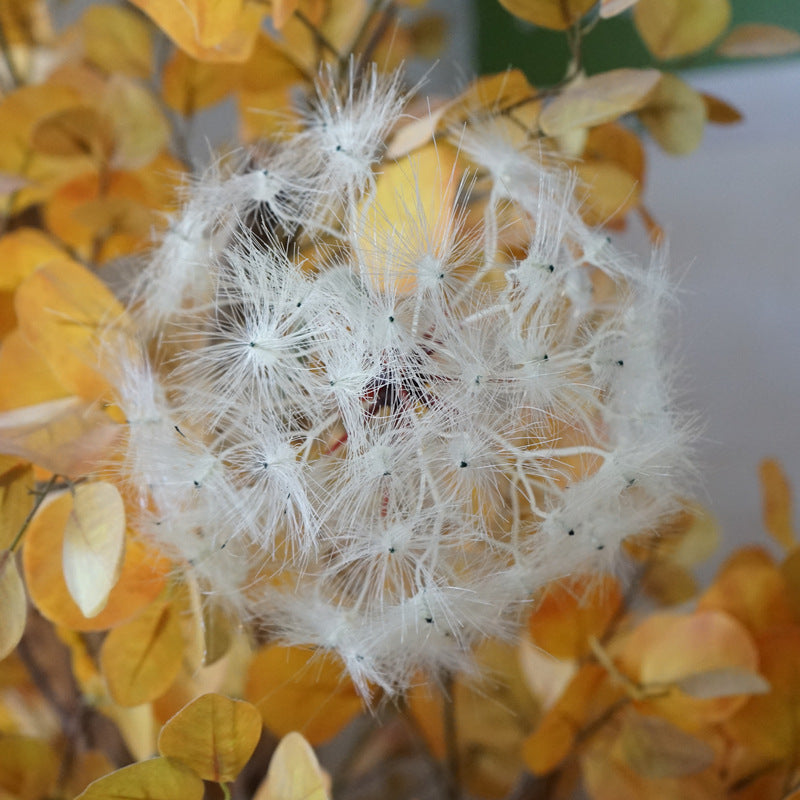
pixel 452 764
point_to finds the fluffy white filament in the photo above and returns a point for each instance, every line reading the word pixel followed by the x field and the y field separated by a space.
pixel 381 445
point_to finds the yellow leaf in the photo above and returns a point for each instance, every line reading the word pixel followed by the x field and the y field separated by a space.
pixel 28 767
pixel 759 41
pixel 601 98
pixel 208 30
pixel 94 544
pixel 610 191
pixel 297 689
pixel 22 252
pixel 13 603
pixel 413 201
pixel 189 85
pixel 67 436
pixel 155 779
pixel 719 112
pixel 16 500
pixel 141 578
pixel 677 28
pixel 282 10
pixel 117 40
pixel 294 773
pixel 777 503
pixel 78 131
pixel 675 115
pixel 61 309
pixel 655 748
pixel 213 735
pixel 555 14
pixel 141 131
pixel 141 658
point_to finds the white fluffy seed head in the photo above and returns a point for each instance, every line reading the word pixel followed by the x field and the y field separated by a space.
pixel 381 466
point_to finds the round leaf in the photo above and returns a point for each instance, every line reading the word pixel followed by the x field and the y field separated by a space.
pixel 675 115
pixel 12 602
pixel 213 735
pixel 294 773
pixel 601 98
pixel 155 779
pixel 296 689
pixel 759 41
pixel 141 658
pixel 677 28
pixel 94 543
pixel 555 14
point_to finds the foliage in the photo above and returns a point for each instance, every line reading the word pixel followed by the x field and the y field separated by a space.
pixel 121 673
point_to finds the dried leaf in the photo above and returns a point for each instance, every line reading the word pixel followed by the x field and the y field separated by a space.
pixel 675 115
pixel 571 612
pixel 282 10
pixel 777 503
pixel 141 578
pixel 722 682
pixel 94 545
pixel 117 40
pixel 601 98
pixel 189 85
pixel 610 192
pixel 141 131
pixel 751 588
pixel 759 41
pixel 619 145
pixel 67 436
pixel 554 14
pixel 655 748
pixel 297 689
pixel 677 28
pixel 155 779
pixel 13 603
pixel 214 736
pixel 28 767
pixel 16 501
pixel 668 583
pixel 62 308
pixel 207 29
pixel 294 773
pixel 790 570
pixel 79 131
pixel 719 112
pixel 413 198
pixel 22 252
pixel 141 658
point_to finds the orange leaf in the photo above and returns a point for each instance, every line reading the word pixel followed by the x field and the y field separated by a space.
pixel 751 588
pixel 141 658
pixel 61 309
pixel 759 41
pixel 677 28
pixel 294 773
pixel 719 112
pixel 214 736
pixel 296 689
pixel 74 132
pixel 777 503
pixel 155 779
pixel 619 145
pixel 141 578
pixel 208 30
pixel 22 252
pixel 573 611
pixel 555 14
